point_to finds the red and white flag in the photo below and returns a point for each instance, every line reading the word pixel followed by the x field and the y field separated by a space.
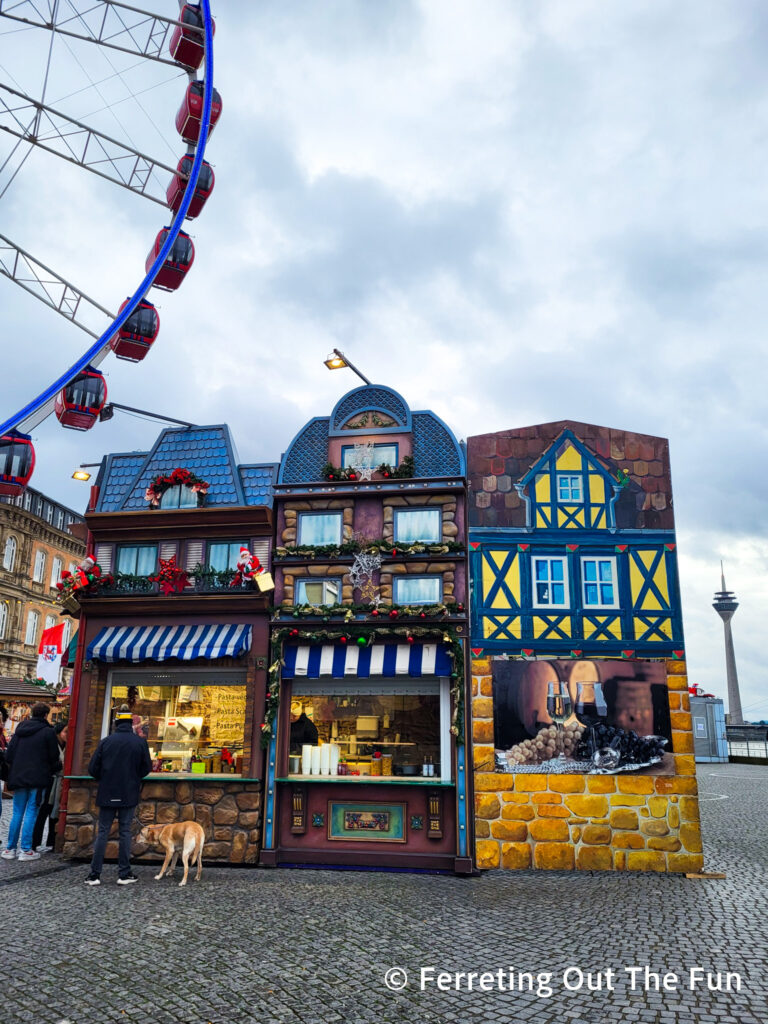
pixel 49 654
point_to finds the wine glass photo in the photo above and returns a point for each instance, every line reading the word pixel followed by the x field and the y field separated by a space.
pixel 559 707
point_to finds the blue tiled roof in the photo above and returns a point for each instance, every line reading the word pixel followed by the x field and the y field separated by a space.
pixel 205 451
pixel 119 473
pixel 371 396
pixel 307 454
pixel 257 483
pixel 436 452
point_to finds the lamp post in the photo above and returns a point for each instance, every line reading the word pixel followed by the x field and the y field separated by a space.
pixel 725 604
pixel 337 361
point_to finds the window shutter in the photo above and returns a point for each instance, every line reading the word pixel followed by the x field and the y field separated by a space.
pixel 194 554
pixel 104 555
pixel 167 549
pixel 260 546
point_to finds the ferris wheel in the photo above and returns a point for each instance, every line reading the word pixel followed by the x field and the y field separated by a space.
pixel 184 42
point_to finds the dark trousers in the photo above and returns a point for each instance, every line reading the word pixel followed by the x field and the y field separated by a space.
pixel 124 819
pixel 42 817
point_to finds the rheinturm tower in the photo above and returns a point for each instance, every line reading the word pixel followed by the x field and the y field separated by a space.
pixel 725 604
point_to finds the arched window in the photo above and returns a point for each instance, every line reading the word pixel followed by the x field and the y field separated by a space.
pixel 179 497
pixel 39 573
pixel 31 635
pixel 50 621
pixel 9 554
pixel 56 569
pixel 3 618
pixel 65 636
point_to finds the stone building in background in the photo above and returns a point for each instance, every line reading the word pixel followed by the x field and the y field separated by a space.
pixel 39 539
pixel 577 651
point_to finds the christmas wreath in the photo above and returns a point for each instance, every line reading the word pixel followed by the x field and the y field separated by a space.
pixel 178 478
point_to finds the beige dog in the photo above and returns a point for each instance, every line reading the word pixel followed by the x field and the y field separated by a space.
pixel 185 837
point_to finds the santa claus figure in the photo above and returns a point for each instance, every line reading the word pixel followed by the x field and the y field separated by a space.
pixel 86 571
pixel 247 567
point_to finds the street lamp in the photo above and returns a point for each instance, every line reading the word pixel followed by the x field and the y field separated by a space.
pixel 337 361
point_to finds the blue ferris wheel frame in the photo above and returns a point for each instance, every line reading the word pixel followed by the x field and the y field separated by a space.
pixel 98 346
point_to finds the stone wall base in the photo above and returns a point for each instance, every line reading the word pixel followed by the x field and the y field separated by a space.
pixel 230 813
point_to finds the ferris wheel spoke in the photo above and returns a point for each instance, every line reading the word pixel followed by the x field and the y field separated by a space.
pixel 49 287
pixel 76 142
pixel 106 22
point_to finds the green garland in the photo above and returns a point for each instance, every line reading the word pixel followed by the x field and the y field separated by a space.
pixel 370 636
pixel 374 547
pixel 337 473
pixel 348 611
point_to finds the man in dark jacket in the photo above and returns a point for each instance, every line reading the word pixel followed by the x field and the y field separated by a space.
pixel 120 763
pixel 32 757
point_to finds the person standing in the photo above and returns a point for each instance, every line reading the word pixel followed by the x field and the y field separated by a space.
pixel 3 748
pixel 49 806
pixel 120 763
pixel 32 758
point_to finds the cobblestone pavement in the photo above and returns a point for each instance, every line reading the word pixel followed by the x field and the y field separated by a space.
pixel 305 947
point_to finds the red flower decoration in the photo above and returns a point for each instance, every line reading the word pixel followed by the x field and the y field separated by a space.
pixel 170 577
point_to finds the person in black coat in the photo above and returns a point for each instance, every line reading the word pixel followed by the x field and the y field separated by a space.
pixel 31 758
pixel 120 763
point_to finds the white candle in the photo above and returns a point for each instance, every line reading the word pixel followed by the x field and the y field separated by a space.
pixel 315 760
pixel 334 759
pixel 325 759
pixel 306 759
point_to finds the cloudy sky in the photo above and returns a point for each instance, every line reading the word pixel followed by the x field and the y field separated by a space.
pixel 512 212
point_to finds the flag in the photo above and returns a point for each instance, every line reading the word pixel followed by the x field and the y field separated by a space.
pixel 49 654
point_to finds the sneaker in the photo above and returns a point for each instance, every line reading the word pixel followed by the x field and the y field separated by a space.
pixel 44 849
pixel 28 855
pixel 8 855
pixel 93 879
pixel 127 879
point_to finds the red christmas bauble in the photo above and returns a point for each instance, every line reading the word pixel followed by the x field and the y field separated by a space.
pixel 375 611
pixel 393 614
pixel 342 639
pixel 422 615
pixel 410 639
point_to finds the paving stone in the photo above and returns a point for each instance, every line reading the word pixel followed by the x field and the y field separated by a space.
pixel 299 947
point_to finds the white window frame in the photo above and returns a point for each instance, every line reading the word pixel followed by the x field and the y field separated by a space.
pixel 570 477
pixel 614 582
pixel 57 567
pixel 5 614
pixel 50 622
pixel 315 579
pixel 566 581
pixel 406 579
pixel 39 572
pixel 66 635
pixel 32 617
pixel 306 516
pixel 325 684
pixel 10 546
pixel 421 540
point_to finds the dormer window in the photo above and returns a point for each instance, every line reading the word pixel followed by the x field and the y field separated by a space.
pixel 353 455
pixel 569 488
pixel 179 497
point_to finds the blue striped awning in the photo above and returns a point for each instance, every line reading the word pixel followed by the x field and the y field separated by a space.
pixel 159 643
pixel 338 661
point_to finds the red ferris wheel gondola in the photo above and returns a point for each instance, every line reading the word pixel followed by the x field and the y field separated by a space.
pixel 190 114
pixel 179 260
pixel 187 43
pixel 203 189
pixel 79 403
pixel 135 337
pixel 17 461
